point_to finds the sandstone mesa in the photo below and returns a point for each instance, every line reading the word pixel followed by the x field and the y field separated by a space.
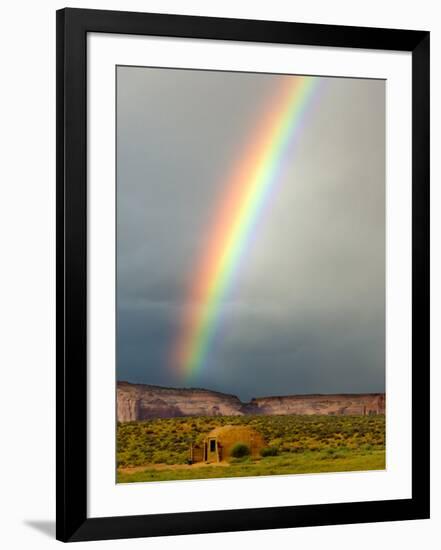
pixel 142 401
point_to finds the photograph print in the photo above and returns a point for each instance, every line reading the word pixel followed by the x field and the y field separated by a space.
pixel 250 278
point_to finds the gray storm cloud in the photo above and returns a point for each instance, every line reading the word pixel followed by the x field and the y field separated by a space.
pixel 306 313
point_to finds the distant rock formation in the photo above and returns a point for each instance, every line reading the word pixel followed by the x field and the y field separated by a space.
pixel 141 401
pixel 333 404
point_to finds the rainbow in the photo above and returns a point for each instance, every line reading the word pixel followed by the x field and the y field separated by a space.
pixel 247 192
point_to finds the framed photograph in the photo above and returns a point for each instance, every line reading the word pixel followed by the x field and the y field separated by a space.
pixel 242 274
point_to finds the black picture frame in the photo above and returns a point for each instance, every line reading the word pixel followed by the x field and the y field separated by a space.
pixel 71 321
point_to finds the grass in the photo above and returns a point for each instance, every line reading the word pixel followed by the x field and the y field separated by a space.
pixel 304 444
pixel 308 462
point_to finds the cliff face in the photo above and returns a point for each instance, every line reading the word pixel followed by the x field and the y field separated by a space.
pixel 356 404
pixel 140 402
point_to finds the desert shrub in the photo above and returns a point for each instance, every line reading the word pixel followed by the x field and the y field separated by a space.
pixel 168 439
pixel 269 451
pixel 240 450
pixel 165 457
pixel 338 454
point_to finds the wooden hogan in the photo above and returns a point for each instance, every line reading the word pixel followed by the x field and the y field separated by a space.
pixel 218 444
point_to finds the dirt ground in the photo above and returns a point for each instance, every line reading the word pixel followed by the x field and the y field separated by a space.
pixel 134 469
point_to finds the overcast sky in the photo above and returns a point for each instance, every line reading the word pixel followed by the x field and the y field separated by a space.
pixel 307 311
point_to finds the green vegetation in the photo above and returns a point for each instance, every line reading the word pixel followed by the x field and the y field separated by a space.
pixel 295 444
pixel 240 450
pixel 305 463
pixel 269 451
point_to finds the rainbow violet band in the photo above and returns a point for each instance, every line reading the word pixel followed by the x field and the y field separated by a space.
pixel 246 193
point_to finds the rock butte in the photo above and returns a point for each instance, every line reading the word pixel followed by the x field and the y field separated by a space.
pixel 141 402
